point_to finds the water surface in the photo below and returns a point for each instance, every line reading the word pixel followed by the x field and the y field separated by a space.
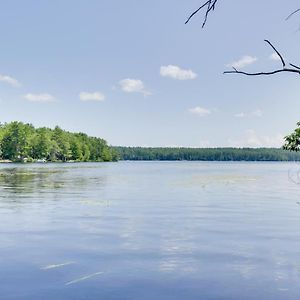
pixel 150 230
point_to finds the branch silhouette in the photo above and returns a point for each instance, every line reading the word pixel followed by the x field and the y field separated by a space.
pixel 293 13
pixel 210 6
pixel 292 69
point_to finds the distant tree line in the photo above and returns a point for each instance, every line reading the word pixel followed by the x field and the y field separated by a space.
pixel 207 154
pixel 22 142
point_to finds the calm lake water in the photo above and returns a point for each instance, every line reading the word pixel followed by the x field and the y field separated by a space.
pixel 150 230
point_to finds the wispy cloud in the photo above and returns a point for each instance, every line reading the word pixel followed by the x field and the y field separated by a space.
pixel 200 111
pixel 252 139
pixel 44 97
pixel 256 113
pixel 274 56
pixel 176 72
pixel 242 62
pixel 199 144
pixel 240 115
pixel 204 144
pixel 95 96
pixel 10 80
pixel 129 85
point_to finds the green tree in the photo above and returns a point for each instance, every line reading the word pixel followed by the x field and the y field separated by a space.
pixel 14 142
pixel 76 150
pixel 19 141
pixel 292 141
pixel 61 138
pixel 40 144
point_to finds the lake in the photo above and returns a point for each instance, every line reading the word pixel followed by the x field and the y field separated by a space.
pixel 150 230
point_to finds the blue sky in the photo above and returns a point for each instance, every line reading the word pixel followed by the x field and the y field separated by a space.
pixel 133 73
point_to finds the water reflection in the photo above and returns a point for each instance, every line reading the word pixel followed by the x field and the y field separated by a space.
pixel 25 180
pixel 149 231
pixel 20 181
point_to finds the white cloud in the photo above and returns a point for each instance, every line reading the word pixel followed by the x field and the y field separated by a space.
pixel 200 144
pixel 39 97
pixel 240 115
pixel 242 62
pixel 204 144
pixel 176 72
pixel 200 111
pixel 274 56
pixel 256 113
pixel 96 96
pixel 253 140
pixel 133 86
pixel 9 80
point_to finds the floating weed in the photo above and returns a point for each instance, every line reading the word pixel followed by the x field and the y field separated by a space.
pixel 49 267
pixel 204 181
pixel 83 278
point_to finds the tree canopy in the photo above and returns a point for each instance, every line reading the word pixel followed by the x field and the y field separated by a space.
pixel 23 142
pixel 292 141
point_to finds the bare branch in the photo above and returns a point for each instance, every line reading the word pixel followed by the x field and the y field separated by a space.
pixel 277 52
pixel 294 66
pixel 196 11
pixel 263 73
pixel 290 15
pixel 294 69
pixel 210 4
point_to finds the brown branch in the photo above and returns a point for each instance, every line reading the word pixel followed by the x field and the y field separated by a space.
pixel 294 69
pixel 211 4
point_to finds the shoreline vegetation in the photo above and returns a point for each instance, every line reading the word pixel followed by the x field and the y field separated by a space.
pixel 20 142
pixel 206 154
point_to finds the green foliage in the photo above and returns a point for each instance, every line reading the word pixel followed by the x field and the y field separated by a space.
pixel 22 142
pixel 292 141
pixel 206 154
pixel 14 144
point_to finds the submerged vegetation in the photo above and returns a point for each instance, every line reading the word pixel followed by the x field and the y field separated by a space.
pixel 21 142
pixel 207 154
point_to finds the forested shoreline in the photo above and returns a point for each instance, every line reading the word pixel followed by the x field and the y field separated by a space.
pixel 206 154
pixel 20 142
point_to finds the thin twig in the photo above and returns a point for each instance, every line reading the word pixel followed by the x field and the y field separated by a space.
pixel 290 15
pixel 211 4
pixel 295 66
pixel 196 11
